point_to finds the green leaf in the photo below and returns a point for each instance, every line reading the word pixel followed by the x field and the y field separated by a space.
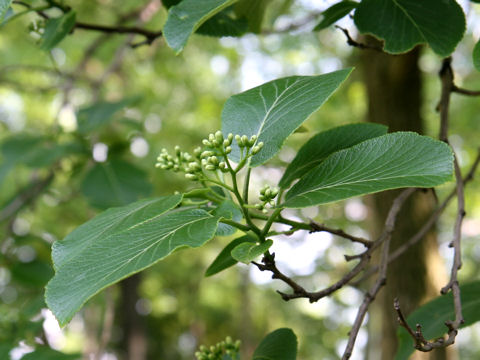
pixel 432 317
pixel 115 183
pixel 280 344
pixel 35 273
pixel 46 353
pixel 391 161
pixel 6 17
pixel 402 24
pixel 476 56
pixel 315 150
pixel 56 29
pixel 228 210
pixel 224 260
pixel 4 6
pixel 225 23
pixel 274 110
pixel 253 11
pixel 118 243
pixel 246 251
pixel 94 116
pixel 335 13
pixel 183 19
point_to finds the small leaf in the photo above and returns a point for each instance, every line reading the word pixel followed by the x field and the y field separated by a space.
pixel 225 23
pixel 253 11
pixel 246 252
pixel 224 260
pixel 118 243
pixel 476 56
pixel 274 110
pixel 94 116
pixel 335 13
pixel 7 17
pixel 228 210
pixel 432 317
pixel 115 183
pixel 315 150
pixel 280 344
pixel 391 161
pixel 186 17
pixel 45 353
pixel 406 23
pixel 4 6
pixel 56 29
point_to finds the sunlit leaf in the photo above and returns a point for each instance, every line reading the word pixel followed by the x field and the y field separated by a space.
pixel 335 13
pixel 56 29
pixel 432 317
pixel 118 243
pixel 315 150
pixel 115 183
pixel 280 344
pixel 187 16
pixel 224 260
pixel 390 161
pixel 406 23
pixel 274 110
pixel 4 6
pixel 247 252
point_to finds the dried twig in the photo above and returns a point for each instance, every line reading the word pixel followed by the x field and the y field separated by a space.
pixel 352 42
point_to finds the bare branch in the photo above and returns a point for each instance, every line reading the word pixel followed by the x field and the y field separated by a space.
pixel 352 42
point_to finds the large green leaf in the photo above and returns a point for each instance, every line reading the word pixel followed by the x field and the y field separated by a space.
pixel 335 13
pixel 187 16
pixel 247 252
pixel 406 23
pixel 94 116
pixel 432 317
pixel 391 161
pixel 280 344
pixel 56 29
pixel 115 183
pixel 118 243
pixel 274 110
pixel 4 6
pixel 253 11
pixel 224 260
pixel 225 23
pixel 315 150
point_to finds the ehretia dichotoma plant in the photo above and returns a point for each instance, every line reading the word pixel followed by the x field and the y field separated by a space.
pixel 336 164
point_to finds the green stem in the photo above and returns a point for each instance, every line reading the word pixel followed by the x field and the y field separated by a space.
pixel 246 184
pixel 270 221
pixel 21 13
pixel 219 183
pixel 244 228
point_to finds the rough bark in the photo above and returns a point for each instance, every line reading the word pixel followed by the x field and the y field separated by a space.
pixel 394 91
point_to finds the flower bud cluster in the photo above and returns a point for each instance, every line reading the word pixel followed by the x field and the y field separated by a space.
pixel 176 162
pixel 267 196
pixel 217 352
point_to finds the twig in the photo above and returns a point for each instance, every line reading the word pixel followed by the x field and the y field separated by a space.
pixel 382 277
pixel 356 44
pixel 315 227
pixel 467 92
pixel 446 77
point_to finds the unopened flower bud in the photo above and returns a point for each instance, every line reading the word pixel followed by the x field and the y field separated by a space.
pixel 238 139
pixel 230 137
pixel 226 143
pixel 206 154
pixel 228 150
pixel 177 150
pixel 197 151
pixel 213 160
pixel 210 167
pixel 252 140
pixel 255 150
pixel 219 136
pixel 244 140
pixel 191 176
pixel 206 143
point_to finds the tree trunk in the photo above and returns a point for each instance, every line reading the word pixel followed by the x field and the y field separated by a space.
pixel 394 90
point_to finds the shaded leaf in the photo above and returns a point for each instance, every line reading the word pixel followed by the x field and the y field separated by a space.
pixel 225 23
pixel 280 344
pixel 35 273
pixel 228 210
pixel 6 17
pixel 115 183
pixel 246 251
pixel 56 29
pixel 224 260
pixel 402 24
pixel 186 17
pixel 94 116
pixel 253 11
pixel 391 161
pixel 118 243
pixel 432 317
pixel 274 110
pixel 315 150
pixel 476 56
pixel 335 13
